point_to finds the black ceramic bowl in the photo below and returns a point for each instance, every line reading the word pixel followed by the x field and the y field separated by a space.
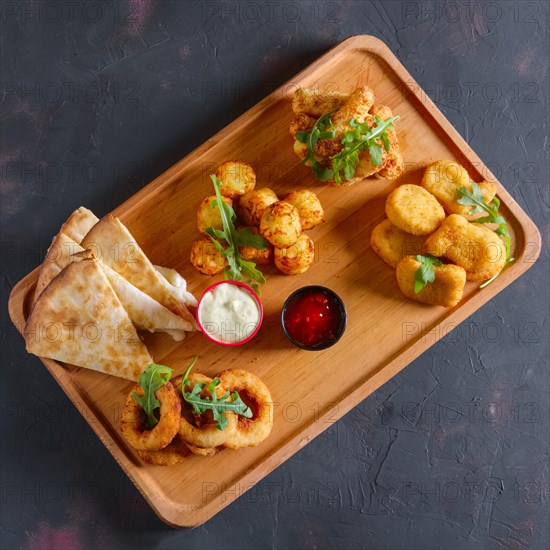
pixel 314 318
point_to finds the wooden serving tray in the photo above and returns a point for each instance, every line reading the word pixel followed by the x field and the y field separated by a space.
pixel 385 331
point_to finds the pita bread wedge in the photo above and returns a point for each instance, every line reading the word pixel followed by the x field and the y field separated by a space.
pixel 145 312
pixel 79 223
pixel 111 242
pixel 78 319
pixel 179 284
pixel 57 258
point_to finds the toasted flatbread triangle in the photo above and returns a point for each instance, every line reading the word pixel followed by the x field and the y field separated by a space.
pixel 79 223
pixel 78 319
pixel 145 312
pixel 57 258
pixel 112 243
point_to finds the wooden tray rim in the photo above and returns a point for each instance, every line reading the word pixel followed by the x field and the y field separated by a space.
pixel 178 515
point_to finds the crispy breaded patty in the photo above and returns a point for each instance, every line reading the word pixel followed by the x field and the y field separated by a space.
pixel 412 209
pixel 444 177
pixel 392 244
pixel 446 290
pixel 472 246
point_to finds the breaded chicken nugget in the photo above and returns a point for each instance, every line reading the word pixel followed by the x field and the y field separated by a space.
pixel 252 205
pixel 444 177
pixel 413 210
pixel 472 246
pixel 356 107
pixel 300 123
pixel 392 244
pixel 237 178
pixel 392 165
pixel 295 259
pixel 314 103
pixel 446 290
pixel 309 207
pixel 280 224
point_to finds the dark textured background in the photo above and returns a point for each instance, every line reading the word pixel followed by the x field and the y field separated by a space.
pixel 100 97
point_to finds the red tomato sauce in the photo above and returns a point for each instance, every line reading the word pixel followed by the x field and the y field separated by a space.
pixel 313 319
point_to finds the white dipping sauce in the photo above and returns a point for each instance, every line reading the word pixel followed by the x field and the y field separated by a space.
pixel 229 313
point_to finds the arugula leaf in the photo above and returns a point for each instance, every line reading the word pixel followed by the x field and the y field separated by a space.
pixel 320 130
pixel 475 199
pixel 151 379
pixel 425 273
pixel 234 239
pixel 361 138
pixel 218 405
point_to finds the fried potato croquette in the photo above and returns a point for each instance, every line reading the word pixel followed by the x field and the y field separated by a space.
pixel 237 178
pixel 252 205
pixel 309 207
pixel 208 214
pixel 255 394
pixel 206 258
pixel 133 420
pixel 200 430
pixel 392 244
pixel 297 258
pixel 174 453
pixel 472 246
pixel 280 224
pixel 444 177
pixel 314 103
pixel 260 256
pixel 446 290
pixel 413 210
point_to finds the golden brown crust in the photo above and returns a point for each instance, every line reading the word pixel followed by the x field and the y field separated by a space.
pixel 208 215
pixel 237 178
pixel 255 394
pixel 309 207
pixel 446 290
pixel 252 205
pixel 174 453
pixel 133 418
pixel 297 258
pixel 472 246
pixel 206 258
pixel 280 224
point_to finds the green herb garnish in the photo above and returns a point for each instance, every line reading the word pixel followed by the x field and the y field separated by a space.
pixel 218 405
pixel 237 267
pixel 151 379
pixel 475 199
pixel 361 138
pixel 310 137
pixel 425 273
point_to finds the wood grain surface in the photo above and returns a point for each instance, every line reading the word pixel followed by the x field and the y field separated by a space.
pixel 385 331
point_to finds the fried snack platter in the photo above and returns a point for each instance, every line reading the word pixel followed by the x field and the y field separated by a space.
pixel 385 331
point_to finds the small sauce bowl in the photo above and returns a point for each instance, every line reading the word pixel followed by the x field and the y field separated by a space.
pixel 314 318
pixel 229 313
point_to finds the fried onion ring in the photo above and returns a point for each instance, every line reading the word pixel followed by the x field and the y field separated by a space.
pixel 211 451
pixel 254 393
pixel 173 453
pixel 133 420
pixel 200 430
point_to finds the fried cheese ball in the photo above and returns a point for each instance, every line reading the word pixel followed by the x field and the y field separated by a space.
pixel 237 178
pixel 260 256
pixel 253 203
pixel 280 224
pixel 206 258
pixel 472 246
pixel 208 214
pixel 133 427
pixel 413 210
pixel 444 177
pixel 392 244
pixel 309 207
pixel 297 258
pixel 446 290
pixel 255 394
